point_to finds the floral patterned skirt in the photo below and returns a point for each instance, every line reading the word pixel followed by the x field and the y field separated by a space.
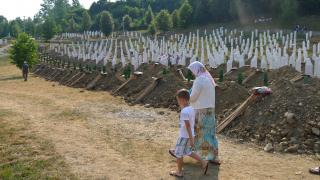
pixel 206 142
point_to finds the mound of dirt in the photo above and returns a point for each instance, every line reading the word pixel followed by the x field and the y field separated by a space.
pixel 108 82
pixel 286 121
pixel 286 72
pixel 164 94
pixel 84 81
pixel 229 95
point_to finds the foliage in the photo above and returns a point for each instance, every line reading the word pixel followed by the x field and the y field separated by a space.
pixel 4 27
pixel 185 14
pixel 164 22
pixel 106 23
pixel 221 75
pixel 15 29
pixel 265 79
pixel 175 18
pixel 127 21
pixel 288 10
pixel 86 21
pixel 49 28
pixel 149 16
pixel 152 29
pixel 240 78
pixel 24 49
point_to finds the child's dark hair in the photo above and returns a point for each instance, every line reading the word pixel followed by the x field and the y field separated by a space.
pixel 184 94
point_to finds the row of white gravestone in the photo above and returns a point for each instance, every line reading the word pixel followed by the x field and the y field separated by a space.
pixel 163 51
pixel 3 42
pixel 84 35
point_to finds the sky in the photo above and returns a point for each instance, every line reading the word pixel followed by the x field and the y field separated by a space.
pixel 20 8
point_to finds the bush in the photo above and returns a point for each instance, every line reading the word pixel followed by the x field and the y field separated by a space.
pixel 152 29
pixel 127 21
pixel 164 22
pixel 185 14
pixel 106 23
pixel 24 49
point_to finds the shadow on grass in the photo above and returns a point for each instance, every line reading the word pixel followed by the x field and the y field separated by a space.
pixel 12 78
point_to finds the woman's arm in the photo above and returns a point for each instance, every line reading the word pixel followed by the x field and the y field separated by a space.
pixel 196 90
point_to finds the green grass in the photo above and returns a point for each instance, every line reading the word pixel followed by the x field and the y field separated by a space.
pixel 25 156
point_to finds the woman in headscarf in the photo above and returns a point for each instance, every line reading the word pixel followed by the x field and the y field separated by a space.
pixel 202 100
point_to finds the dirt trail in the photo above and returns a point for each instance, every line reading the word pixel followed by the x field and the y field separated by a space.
pixel 101 137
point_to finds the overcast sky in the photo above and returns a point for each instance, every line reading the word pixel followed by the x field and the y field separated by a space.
pixel 19 8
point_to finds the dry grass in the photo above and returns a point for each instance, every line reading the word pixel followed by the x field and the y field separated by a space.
pixel 25 156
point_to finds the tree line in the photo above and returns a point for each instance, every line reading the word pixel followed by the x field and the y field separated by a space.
pixel 58 16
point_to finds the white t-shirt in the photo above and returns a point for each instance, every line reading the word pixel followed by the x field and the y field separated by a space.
pixel 187 114
pixel 203 93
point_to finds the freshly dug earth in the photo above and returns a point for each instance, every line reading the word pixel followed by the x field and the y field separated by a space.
pixel 229 95
pixel 233 75
pixel 83 82
pixel 285 72
pixel 164 93
pixel 289 119
pixel 108 82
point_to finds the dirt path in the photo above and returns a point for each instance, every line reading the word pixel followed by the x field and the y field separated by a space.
pixel 100 137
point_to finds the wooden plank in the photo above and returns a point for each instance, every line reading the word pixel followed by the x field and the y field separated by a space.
pixel 120 78
pixel 249 77
pixel 93 83
pixel 148 90
pixel 182 75
pixel 77 80
pixel 236 113
pixel 68 81
pixel 122 86
pixel 296 78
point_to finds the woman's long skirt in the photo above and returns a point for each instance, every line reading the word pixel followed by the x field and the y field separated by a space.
pixel 206 142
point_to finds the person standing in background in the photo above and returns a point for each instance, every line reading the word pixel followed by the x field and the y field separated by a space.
pixel 25 70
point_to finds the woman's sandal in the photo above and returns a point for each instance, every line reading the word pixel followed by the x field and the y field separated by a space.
pixel 215 162
pixel 206 169
pixel 315 170
pixel 171 152
pixel 176 174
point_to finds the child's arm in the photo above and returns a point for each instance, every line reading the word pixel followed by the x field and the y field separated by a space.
pixel 187 123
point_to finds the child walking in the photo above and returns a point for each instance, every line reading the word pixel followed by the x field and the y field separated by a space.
pixel 185 142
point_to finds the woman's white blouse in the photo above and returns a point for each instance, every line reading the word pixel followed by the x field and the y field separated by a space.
pixel 203 93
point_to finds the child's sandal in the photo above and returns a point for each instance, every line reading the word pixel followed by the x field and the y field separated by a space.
pixel 176 174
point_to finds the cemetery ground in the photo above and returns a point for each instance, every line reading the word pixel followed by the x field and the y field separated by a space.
pixel 48 130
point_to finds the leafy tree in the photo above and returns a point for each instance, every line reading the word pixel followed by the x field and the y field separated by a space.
pixel 127 20
pixel 4 26
pixel 106 23
pixel 72 26
pixel 76 3
pixel 86 21
pixel 288 10
pixel 15 29
pixel 175 18
pixel 149 15
pixel 24 49
pixel 185 14
pixel 164 22
pixel 152 29
pixel 49 28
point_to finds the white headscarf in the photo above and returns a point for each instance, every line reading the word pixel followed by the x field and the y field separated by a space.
pixel 197 69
